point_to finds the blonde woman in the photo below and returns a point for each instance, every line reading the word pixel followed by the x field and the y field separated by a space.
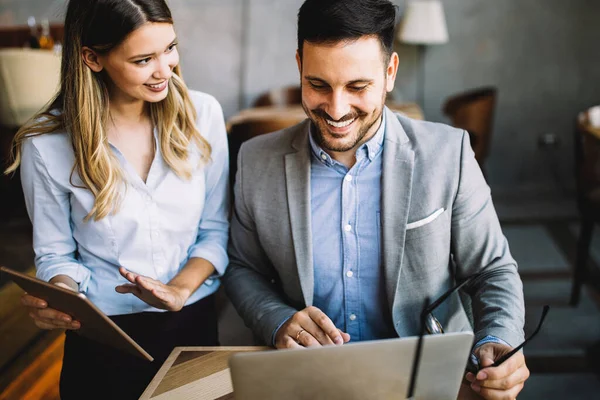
pixel 125 178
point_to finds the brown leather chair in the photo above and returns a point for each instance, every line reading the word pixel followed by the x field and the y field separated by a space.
pixel 473 111
pixel 249 127
pixel 285 96
pixel 587 173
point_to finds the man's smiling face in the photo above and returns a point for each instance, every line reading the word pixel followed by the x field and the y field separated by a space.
pixel 344 86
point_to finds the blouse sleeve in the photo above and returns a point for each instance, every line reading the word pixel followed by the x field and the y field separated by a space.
pixel 49 209
pixel 213 232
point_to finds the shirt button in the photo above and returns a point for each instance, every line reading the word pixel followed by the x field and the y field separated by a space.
pixel 352 317
pixel 347 228
pixel 324 156
pixel 349 274
pixel 348 178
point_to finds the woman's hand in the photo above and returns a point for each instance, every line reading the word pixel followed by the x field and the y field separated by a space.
pixel 49 318
pixel 153 292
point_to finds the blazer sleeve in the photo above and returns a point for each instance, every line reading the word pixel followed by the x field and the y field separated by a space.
pixel 479 245
pixel 250 278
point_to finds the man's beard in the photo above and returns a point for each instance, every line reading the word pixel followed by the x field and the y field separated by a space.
pixel 319 116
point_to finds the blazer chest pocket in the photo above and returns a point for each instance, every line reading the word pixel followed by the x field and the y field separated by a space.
pixel 439 223
pixel 427 252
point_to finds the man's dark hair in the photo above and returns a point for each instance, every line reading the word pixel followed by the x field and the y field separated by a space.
pixel 332 21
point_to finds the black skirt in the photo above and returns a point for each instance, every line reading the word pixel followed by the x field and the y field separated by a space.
pixel 92 370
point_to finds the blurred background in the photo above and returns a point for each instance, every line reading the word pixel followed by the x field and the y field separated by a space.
pixel 521 76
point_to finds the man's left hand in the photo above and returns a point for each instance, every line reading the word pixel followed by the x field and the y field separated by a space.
pixel 153 292
pixel 502 382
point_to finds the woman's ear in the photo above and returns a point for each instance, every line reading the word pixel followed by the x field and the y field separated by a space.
pixel 91 59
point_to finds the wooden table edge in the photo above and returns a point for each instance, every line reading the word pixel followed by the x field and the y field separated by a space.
pixel 162 372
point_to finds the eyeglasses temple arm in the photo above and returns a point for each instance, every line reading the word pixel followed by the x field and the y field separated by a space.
pixel 513 351
pixel 417 359
pixel 439 301
pixel 474 278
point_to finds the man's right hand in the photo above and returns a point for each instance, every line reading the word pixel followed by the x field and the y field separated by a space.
pixel 308 328
pixel 49 318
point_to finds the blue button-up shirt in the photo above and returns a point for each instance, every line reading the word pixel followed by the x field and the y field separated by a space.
pixel 346 231
pixel 348 272
pixel 159 226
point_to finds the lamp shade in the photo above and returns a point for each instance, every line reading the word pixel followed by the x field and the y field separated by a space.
pixel 424 23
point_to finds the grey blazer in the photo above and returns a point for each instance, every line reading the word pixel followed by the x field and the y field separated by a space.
pixel 427 167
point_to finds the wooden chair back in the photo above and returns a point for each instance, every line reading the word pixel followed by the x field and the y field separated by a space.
pixel 248 128
pixel 587 175
pixel 285 96
pixel 587 165
pixel 474 112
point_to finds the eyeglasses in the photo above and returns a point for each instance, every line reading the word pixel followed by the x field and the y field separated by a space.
pixel 429 324
pixel 433 326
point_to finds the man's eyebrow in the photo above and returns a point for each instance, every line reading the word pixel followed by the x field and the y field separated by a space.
pixel 362 80
pixel 314 78
pixel 150 54
pixel 352 82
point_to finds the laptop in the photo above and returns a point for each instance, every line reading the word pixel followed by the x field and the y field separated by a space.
pixel 379 369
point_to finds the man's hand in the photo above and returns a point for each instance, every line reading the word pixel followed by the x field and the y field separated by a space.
pixel 502 382
pixel 153 292
pixel 307 328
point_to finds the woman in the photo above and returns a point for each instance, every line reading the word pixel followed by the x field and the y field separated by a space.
pixel 125 178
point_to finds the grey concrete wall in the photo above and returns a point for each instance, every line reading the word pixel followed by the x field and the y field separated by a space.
pixel 16 12
pixel 541 54
pixel 210 46
pixel 271 47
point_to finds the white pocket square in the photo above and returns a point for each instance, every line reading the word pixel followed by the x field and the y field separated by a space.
pixel 425 221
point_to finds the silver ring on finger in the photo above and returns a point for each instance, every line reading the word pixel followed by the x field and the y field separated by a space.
pixel 298 335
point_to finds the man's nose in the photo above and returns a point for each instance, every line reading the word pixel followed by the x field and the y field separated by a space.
pixel 339 106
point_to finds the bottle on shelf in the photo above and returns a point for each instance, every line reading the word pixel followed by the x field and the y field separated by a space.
pixel 46 41
pixel 33 41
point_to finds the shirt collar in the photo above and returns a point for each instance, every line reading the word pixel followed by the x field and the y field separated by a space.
pixel 370 149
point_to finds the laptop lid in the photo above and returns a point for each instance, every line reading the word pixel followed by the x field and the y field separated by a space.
pixel 378 369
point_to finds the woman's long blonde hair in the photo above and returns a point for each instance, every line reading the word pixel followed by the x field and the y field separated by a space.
pixel 83 103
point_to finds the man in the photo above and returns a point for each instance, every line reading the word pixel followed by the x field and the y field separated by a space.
pixel 344 223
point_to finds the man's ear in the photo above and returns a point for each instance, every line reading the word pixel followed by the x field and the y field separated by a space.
pixel 91 59
pixel 391 71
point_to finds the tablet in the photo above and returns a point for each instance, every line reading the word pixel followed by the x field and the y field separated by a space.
pixel 95 324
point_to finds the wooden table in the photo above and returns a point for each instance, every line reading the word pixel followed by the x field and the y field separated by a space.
pixel 295 114
pixel 195 373
pixel 202 373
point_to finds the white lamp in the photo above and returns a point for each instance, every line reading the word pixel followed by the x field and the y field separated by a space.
pixel 423 24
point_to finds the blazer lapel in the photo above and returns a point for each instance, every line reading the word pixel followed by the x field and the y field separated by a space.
pixel 297 175
pixel 398 163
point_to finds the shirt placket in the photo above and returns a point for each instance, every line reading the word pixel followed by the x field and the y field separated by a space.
pixel 350 254
pixel 156 239
pixel 158 256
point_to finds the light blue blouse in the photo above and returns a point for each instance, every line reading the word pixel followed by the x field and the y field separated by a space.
pixel 160 224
